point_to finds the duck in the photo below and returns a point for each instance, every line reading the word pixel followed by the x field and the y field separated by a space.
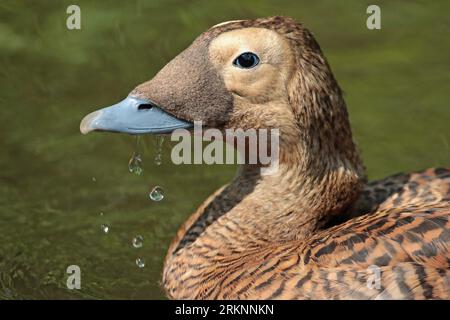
pixel 314 229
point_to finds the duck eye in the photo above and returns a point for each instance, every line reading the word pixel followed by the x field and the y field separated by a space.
pixel 246 60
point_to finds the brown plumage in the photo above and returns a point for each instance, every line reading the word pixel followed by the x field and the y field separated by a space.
pixel 301 234
pixel 401 226
pixel 315 229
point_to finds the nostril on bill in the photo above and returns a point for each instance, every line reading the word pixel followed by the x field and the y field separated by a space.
pixel 145 106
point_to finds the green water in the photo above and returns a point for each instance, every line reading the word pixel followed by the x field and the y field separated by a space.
pixel 396 81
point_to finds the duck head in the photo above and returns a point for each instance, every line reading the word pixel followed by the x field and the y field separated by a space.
pixel 233 75
pixel 262 73
pixel 233 72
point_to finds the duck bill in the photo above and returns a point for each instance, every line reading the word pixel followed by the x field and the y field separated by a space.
pixel 133 116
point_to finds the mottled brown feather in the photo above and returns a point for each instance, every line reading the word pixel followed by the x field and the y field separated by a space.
pixel 408 242
pixel 312 230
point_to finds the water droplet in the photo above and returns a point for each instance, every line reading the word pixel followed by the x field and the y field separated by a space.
pixel 104 228
pixel 159 141
pixel 101 213
pixel 94 179
pixel 159 144
pixel 138 241
pixel 135 164
pixel 158 159
pixel 140 262
pixel 157 194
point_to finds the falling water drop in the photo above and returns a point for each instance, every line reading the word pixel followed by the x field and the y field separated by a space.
pixel 104 228
pixel 156 194
pixel 138 241
pixel 135 163
pixel 158 159
pixel 140 262
pixel 159 144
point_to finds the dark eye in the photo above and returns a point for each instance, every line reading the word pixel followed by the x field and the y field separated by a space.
pixel 246 60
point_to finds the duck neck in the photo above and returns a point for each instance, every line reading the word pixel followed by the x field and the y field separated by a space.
pixel 256 211
pixel 291 203
pixel 295 201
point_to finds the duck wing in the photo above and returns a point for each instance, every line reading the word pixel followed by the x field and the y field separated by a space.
pixel 408 249
pixel 404 242
pixel 397 250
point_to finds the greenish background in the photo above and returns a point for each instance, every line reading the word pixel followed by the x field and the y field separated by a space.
pixel 396 81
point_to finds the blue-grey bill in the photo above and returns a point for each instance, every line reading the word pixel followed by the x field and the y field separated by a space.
pixel 134 116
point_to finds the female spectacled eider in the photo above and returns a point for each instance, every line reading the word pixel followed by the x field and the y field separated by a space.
pixel 314 229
